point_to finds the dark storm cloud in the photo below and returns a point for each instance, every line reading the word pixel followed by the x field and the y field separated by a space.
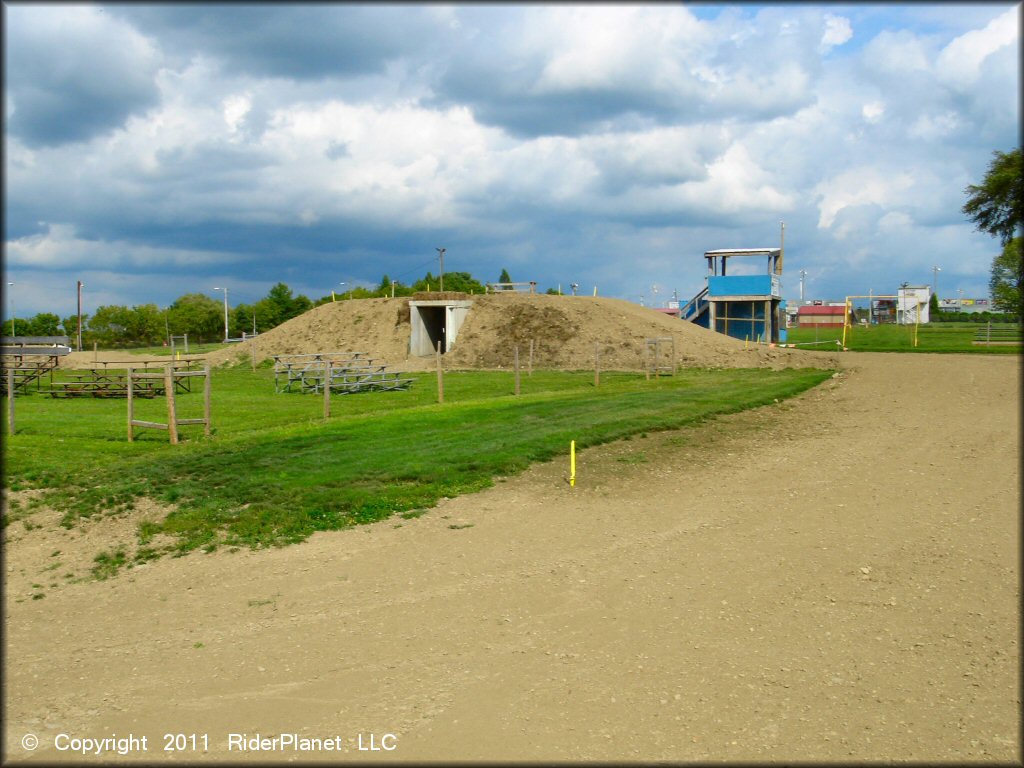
pixel 72 74
pixel 285 40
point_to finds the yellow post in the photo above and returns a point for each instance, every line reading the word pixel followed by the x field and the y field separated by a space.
pixel 332 296
pixel 572 463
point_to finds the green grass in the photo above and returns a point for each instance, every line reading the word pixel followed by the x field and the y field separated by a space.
pixel 274 471
pixel 931 337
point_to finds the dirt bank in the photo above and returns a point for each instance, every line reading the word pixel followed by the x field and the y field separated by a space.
pixel 835 578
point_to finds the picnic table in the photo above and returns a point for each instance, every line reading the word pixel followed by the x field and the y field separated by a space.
pixel 105 380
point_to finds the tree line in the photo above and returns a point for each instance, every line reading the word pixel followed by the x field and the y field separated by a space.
pixel 202 317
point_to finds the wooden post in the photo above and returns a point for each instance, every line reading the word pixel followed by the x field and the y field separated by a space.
pixel 516 364
pixel 597 363
pixel 327 389
pixel 131 405
pixel 10 401
pixel 530 369
pixel 95 355
pixel 172 416
pixel 440 376
pixel 206 398
pixel 647 359
pixel 252 349
pixel 657 359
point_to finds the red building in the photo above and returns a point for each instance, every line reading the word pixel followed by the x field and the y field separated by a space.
pixel 820 316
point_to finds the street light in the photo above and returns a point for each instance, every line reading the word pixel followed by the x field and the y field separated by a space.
pixel 225 310
pixel 440 252
pixel 343 294
pixel 960 300
pixel 935 280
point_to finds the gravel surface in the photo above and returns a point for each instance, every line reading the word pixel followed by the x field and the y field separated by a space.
pixel 832 578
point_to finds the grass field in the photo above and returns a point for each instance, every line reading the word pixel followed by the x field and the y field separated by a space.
pixel 274 471
pixel 931 337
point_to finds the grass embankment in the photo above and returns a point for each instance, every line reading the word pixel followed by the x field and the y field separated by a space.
pixel 931 337
pixel 274 471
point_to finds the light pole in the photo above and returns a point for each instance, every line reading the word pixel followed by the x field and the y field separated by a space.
pixel 960 300
pixel 343 293
pixel 935 280
pixel 167 325
pixel 392 289
pixel 225 310
pixel 440 253
pixel 81 285
pixel 803 274
pixel 10 301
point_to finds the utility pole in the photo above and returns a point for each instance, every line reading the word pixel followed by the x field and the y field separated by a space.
pixel 935 280
pixel 803 274
pixel 79 339
pixel 782 246
pixel 440 252
pixel 10 301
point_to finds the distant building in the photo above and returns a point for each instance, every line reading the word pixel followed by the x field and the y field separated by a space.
pixel 821 315
pixel 912 304
pixel 965 305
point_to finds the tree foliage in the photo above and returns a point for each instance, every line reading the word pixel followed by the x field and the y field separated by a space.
pixel 1007 280
pixel 996 205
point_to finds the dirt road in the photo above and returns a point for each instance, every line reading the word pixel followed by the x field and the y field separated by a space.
pixel 831 578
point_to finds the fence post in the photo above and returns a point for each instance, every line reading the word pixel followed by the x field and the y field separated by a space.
pixel 530 369
pixel 172 415
pixel 327 389
pixel 206 398
pixel 440 376
pixel 10 401
pixel 516 356
pixel 131 404
pixel 597 363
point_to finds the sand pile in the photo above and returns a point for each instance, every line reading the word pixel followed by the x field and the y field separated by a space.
pixel 564 331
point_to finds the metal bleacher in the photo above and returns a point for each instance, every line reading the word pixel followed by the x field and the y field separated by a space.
pixel 28 359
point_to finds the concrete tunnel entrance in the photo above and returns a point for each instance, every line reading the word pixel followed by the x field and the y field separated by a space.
pixel 434 322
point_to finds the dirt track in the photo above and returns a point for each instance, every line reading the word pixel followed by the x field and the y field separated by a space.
pixel 832 578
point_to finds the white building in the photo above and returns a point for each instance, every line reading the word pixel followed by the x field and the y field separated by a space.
pixel 912 304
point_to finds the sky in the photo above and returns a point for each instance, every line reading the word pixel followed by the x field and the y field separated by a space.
pixel 157 150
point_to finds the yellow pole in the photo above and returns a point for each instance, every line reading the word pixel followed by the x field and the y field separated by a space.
pixel 332 296
pixel 572 463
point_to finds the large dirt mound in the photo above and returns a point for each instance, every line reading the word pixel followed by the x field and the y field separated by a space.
pixel 564 331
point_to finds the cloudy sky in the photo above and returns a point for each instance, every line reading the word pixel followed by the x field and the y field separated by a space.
pixel 156 150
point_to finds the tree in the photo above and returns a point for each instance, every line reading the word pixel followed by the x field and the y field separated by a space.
pixel 996 205
pixel 43 324
pixel 933 305
pixel 505 278
pixel 1005 284
pixel 278 306
pixel 198 315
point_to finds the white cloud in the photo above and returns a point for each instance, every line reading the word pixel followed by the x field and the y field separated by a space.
pixel 860 186
pixel 837 32
pixel 959 64
pixel 60 248
pixel 873 111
